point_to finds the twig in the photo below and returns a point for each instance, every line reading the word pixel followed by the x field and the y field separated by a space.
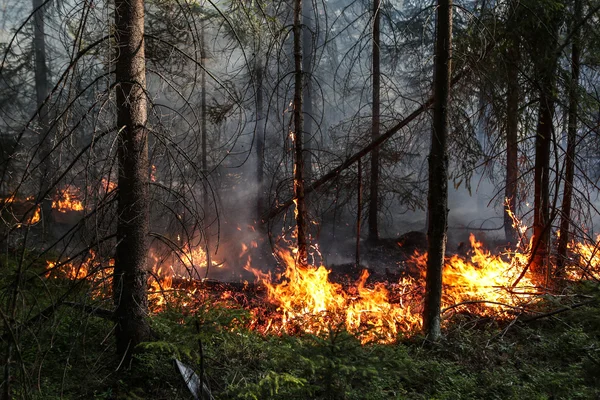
pixel 482 302
pixel 561 310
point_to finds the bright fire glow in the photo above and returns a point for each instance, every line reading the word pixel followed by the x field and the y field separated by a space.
pixel 588 263
pixel 67 199
pixel 307 301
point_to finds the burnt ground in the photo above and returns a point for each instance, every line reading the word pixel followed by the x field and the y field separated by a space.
pixel 386 260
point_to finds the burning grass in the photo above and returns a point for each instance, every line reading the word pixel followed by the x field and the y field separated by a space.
pixel 305 300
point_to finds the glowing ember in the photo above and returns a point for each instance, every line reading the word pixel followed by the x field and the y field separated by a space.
pixel 67 200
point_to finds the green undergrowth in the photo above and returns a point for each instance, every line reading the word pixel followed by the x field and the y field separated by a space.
pixel 70 355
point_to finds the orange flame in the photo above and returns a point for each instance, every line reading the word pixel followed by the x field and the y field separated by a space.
pixel 309 302
pixel 67 200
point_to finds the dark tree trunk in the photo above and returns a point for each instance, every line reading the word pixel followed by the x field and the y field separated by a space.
pixel 133 198
pixel 438 172
pixel 512 139
pixel 301 212
pixel 307 68
pixel 375 121
pixel 358 213
pixel 565 221
pixel 260 141
pixel 541 216
pixel 545 61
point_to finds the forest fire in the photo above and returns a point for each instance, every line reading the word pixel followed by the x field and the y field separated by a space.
pixel 307 301
pixel 67 199
pixel 24 211
pixel 588 262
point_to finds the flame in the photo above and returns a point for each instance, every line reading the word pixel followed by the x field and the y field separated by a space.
pixel 488 278
pixel 67 200
pixel 309 302
pixel 35 218
pixel 587 263
pixel 107 185
pixel 22 209
pixel 305 300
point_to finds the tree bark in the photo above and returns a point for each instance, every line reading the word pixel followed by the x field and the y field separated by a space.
pixel 307 69
pixel 512 139
pixel 130 276
pixel 565 222
pixel 261 201
pixel 375 122
pixel 438 173
pixel 545 61
pixel 301 212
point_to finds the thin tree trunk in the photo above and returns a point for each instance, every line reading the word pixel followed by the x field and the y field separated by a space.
pixel 301 213
pixel 541 216
pixel 438 173
pixel 260 143
pixel 512 139
pixel 565 222
pixel 130 278
pixel 375 122
pixel 204 138
pixel 41 91
pixel 358 214
pixel 307 69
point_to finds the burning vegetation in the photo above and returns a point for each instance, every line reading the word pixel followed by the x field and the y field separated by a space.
pixel 304 299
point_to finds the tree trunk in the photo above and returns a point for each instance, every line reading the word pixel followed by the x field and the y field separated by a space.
pixel 541 216
pixel 545 61
pixel 133 198
pixel 438 173
pixel 565 222
pixel 512 139
pixel 261 202
pixel 204 138
pixel 375 121
pixel 301 213
pixel 307 68
pixel 41 90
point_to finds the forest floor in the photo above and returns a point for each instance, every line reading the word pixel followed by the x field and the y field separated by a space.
pixel 549 357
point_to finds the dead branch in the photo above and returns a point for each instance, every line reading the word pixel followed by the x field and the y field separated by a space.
pixel 561 310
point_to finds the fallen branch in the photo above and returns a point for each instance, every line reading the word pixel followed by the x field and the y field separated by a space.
pixel 464 303
pixel 561 310
pixel 357 156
